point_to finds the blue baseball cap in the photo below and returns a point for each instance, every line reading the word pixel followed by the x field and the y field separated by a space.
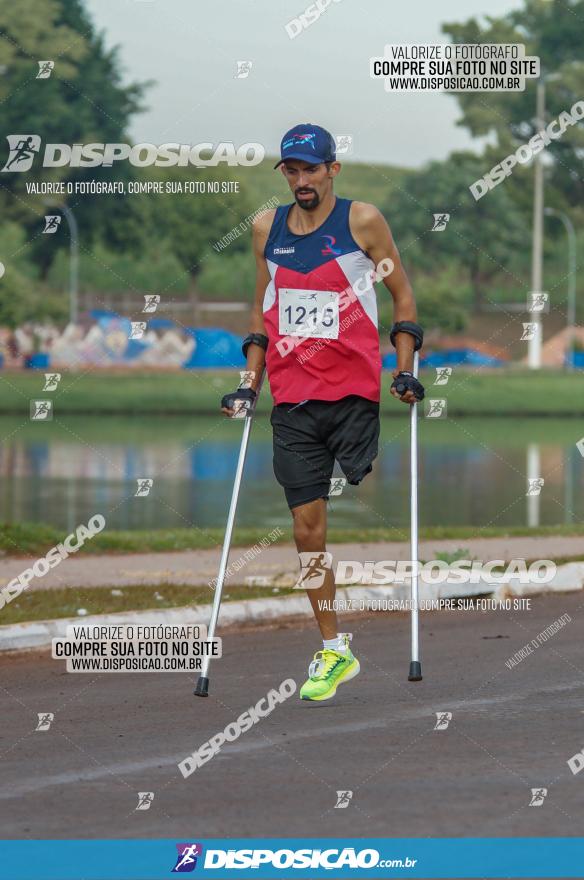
pixel 308 143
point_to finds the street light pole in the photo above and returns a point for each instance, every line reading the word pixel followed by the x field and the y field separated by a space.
pixel 571 307
pixel 73 257
pixel 534 344
pixel 73 263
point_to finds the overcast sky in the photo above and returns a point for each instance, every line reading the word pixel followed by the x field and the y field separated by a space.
pixel 190 48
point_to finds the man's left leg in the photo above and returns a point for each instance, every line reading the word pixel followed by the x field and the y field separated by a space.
pixel 310 537
pixel 335 663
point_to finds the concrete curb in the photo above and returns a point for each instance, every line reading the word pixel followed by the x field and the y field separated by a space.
pixel 38 634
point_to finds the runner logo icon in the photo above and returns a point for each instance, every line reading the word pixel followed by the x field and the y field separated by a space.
pixel 23 149
pixel 188 854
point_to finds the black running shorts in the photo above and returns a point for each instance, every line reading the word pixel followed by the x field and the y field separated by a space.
pixel 309 436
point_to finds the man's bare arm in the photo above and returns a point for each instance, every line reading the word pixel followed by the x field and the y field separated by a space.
pixel 373 235
pixel 256 357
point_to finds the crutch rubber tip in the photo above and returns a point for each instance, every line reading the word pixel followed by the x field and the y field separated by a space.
pixel 415 671
pixel 202 688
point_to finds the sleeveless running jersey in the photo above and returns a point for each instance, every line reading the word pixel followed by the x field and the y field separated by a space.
pixel 320 312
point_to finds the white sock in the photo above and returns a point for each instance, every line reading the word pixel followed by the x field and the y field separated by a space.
pixel 336 644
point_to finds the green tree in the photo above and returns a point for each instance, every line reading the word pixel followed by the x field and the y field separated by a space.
pixel 196 222
pixel 83 101
pixel 23 296
pixel 229 276
pixel 105 270
pixel 555 33
pixel 484 238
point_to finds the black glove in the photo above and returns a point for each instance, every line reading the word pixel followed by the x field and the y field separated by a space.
pixel 406 381
pixel 247 394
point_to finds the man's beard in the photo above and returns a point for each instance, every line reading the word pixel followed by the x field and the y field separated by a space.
pixel 307 204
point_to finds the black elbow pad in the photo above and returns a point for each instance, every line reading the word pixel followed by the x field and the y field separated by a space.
pixel 408 327
pixel 255 339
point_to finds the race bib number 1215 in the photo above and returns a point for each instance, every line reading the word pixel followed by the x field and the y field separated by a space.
pixel 309 313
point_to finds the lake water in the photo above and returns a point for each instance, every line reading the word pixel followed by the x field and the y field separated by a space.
pixel 472 472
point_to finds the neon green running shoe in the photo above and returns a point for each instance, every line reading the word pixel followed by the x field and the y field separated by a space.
pixel 327 671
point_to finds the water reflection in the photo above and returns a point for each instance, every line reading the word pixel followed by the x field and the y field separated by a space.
pixel 63 472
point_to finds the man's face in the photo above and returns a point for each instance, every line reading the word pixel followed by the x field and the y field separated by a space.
pixel 309 183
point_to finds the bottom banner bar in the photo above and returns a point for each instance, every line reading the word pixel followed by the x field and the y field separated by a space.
pixel 224 859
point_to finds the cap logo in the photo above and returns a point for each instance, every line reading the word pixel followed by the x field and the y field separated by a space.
pixel 300 139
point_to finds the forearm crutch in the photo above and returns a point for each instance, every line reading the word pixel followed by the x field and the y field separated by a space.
pixel 202 688
pixel 415 673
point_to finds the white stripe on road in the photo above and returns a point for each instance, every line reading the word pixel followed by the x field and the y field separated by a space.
pixel 128 768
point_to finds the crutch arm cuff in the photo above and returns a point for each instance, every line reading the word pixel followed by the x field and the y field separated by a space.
pixel 408 327
pixel 254 339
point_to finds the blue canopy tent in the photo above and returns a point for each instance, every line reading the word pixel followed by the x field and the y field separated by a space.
pixel 460 356
pixel 448 358
pixel 215 347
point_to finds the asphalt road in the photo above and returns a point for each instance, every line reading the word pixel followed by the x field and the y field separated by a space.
pixel 114 735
